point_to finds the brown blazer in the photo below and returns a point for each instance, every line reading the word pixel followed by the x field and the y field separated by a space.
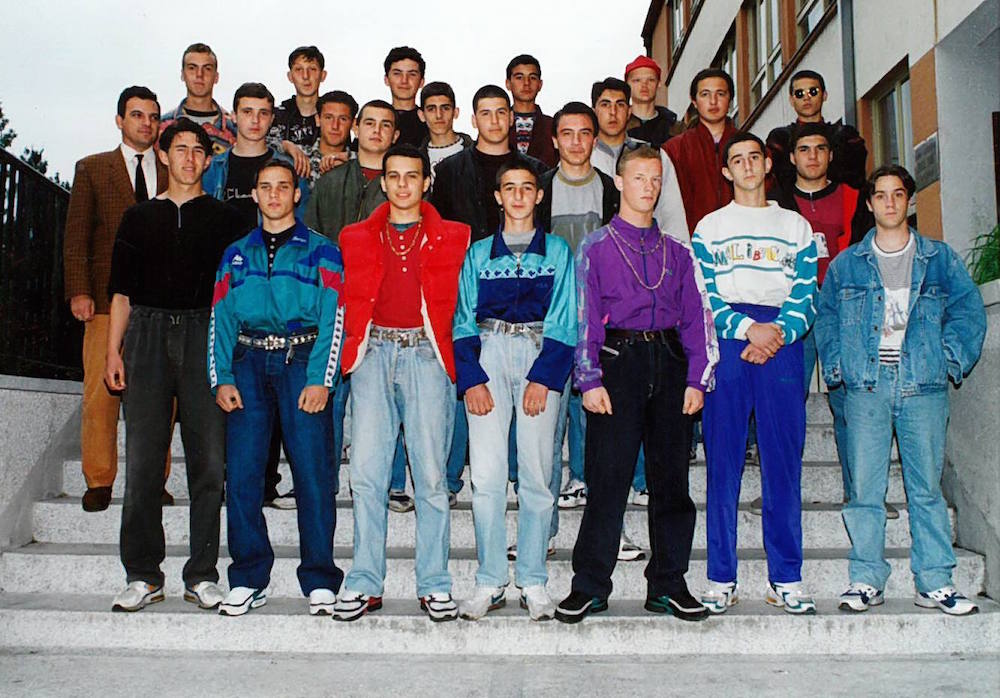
pixel 101 193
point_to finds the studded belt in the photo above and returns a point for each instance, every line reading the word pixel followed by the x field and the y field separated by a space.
pixel 274 342
pixel 404 338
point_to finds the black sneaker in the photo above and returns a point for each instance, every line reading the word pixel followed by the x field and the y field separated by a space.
pixel 574 607
pixel 681 604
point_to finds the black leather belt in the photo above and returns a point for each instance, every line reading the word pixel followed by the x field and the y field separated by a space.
pixel 655 336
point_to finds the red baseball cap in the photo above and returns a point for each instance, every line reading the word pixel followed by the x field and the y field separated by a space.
pixel 643 62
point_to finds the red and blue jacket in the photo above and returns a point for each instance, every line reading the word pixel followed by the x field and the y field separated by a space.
pixel 302 291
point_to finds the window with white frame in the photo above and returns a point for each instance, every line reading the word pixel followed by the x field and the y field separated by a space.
pixel 676 24
pixel 891 117
pixel 726 60
pixel 764 39
pixel 808 13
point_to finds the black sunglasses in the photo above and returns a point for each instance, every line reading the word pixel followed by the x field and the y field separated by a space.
pixel 800 93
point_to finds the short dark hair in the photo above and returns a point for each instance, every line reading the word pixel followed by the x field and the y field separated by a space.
pixel 338 97
pixel 741 137
pixel 707 73
pixel 574 108
pixel 136 92
pixel 436 89
pixel 806 74
pixel 405 150
pixel 517 162
pixel 643 151
pixel 402 53
pixel 199 47
pixel 809 128
pixel 488 92
pixel 890 171
pixel 253 90
pixel 185 125
pixel 523 59
pixel 310 53
pixel 277 162
pixel 613 84
pixel 378 104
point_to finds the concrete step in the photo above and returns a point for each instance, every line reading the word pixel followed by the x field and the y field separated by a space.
pixel 821 481
pixel 63 521
pixel 95 568
pixel 49 621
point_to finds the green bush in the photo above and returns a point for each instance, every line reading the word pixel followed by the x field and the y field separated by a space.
pixel 984 257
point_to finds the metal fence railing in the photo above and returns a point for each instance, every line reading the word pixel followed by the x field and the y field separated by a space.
pixel 38 335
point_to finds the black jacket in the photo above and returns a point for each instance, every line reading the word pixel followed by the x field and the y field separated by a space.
pixel 457 196
pixel 543 213
pixel 849 155
pixel 656 131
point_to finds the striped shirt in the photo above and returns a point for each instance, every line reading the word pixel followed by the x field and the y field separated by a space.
pixel 759 256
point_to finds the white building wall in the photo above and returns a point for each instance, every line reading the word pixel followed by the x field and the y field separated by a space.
pixel 709 31
pixel 885 32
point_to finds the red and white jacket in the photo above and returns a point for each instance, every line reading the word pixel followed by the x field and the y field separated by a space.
pixel 441 255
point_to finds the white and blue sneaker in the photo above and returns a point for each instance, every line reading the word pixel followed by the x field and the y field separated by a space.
pixel 948 599
pixel 483 600
pixel 719 596
pixel 790 597
pixel 859 597
pixel 240 600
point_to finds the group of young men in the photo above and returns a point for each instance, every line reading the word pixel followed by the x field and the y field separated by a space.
pixel 602 272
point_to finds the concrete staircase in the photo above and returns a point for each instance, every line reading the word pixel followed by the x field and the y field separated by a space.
pixel 57 590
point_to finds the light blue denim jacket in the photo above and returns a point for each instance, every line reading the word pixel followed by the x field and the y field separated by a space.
pixel 944 333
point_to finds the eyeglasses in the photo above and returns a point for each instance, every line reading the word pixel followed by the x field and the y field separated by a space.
pixel 800 93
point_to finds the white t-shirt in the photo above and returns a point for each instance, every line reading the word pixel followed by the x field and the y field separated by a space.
pixel 896 269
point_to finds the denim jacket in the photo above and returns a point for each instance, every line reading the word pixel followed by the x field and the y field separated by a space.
pixel 944 332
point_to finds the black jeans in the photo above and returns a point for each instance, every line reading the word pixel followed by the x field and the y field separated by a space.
pixel 165 358
pixel 646 383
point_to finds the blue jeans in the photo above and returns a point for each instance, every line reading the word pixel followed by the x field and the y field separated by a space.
pixel 340 399
pixel 459 446
pixel 773 391
pixel 920 423
pixel 507 360
pixel 269 386
pixel 400 386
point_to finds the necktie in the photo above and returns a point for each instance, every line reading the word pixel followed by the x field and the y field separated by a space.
pixel 140 182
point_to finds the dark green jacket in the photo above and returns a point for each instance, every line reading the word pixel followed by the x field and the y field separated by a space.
pixel 340 197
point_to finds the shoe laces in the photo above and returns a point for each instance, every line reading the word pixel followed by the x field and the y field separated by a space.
pixel 859 588
pixel 438 597
pixel 944 594
pixel 719 590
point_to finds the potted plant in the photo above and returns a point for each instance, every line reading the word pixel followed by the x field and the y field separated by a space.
pixel 984 265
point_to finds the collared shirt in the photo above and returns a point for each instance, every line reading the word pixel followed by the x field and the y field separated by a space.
pixel 166 256
pixel 640 279
pixel 148 167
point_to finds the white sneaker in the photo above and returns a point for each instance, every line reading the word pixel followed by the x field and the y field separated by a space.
pixel 629 551
pixel 859 597
pixel 640 498
pixel 719 596
pixel 948 599
pixel 321 602
pixel 205 594
pixel 439 606
pixel 573 495
pixel 790 597
pixel 136 596
pixel 240 600
pixel 483 600
pixel 535 600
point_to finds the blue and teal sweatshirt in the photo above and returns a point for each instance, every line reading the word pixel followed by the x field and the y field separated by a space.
pixel 303 290
pixel 758 256
pixel 537 287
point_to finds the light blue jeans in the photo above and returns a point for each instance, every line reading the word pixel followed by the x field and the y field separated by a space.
pixel 397 386
pixel 507 360
pixel 920 422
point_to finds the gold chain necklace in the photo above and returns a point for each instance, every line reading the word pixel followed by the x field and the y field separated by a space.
pixel 615 235
pixel 387 238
